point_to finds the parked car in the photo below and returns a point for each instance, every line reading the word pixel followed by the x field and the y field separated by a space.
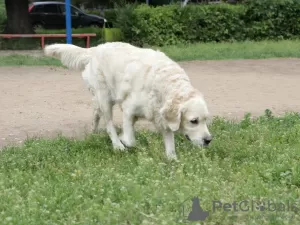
pixel 51 15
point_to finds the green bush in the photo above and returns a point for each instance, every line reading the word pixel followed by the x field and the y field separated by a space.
pixel 272 19
pixel 110 15
pixel 212 23
pixel 157 25
pixel 171 24
pixel 126 20
pixel 2 15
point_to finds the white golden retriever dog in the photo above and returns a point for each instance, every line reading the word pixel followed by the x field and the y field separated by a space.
pixel 146 84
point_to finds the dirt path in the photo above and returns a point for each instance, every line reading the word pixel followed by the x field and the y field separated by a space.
pixel 38 101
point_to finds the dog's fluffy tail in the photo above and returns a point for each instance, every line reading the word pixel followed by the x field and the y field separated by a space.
pixel 71 56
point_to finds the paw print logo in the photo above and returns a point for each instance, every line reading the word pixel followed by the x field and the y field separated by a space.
pixel 191 211
pixel 260 206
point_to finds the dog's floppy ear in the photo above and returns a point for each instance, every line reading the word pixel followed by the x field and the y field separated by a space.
pixel 171 112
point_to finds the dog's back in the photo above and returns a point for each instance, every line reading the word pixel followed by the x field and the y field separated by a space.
pixel 126 68
pixel 119 67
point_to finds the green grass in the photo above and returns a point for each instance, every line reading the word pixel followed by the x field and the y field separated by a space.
pixel 25 60
pixel 64 181
pixel 239 50
pixel 220 51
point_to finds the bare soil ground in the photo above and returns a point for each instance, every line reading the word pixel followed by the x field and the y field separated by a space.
pixel 41 101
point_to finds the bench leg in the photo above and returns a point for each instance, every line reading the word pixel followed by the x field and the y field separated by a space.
pixel 43 42
pixel 88 38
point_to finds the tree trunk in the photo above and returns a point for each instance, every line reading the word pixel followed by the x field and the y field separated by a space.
pixel 17 17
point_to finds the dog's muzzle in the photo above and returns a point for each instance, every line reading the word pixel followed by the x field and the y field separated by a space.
pixel 206 141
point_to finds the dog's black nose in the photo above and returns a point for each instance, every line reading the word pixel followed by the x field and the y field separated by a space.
pixel 207 140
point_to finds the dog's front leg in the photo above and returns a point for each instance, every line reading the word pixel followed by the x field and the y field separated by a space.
pixel 111 130
pixel 127 137
pixel 169 141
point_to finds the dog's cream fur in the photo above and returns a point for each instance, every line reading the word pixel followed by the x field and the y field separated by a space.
pixel 145 83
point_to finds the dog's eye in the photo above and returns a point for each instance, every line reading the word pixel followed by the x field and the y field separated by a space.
pixel 194 121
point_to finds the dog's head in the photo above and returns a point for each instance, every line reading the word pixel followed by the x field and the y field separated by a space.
pixel 189 117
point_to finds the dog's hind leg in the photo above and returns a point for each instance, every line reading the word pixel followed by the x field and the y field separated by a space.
pixel 96 114
pixel 96 119
pixel 111 130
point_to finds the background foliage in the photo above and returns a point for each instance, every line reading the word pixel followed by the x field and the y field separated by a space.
pixel 2 15
pixel 170 24
pixel 144 25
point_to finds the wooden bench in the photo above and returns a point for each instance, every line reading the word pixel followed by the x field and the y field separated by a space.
pixel 43 36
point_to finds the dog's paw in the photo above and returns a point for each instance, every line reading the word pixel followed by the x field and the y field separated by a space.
pixel 119 146
pixel 172 157
pixel 94 130
pixel 126 141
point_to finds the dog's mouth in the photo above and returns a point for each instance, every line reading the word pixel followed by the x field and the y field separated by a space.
pixel 196 142
pixel 187 137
